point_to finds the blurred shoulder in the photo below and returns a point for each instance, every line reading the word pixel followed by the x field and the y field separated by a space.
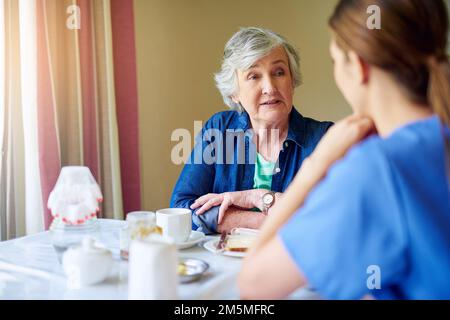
pixel 425 135
pixel 364 163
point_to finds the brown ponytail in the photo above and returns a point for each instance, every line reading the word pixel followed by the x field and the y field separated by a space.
pixel 439 87
pixel 410 45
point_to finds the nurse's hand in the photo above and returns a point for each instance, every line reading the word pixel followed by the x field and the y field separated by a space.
pixel 339 139
pixel 248 199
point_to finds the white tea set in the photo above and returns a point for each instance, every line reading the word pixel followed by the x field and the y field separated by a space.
pixel 150 240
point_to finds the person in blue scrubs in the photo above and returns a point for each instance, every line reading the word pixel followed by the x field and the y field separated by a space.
pixel 368 215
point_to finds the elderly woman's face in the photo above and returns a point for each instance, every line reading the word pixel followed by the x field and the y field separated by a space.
pixel 266 89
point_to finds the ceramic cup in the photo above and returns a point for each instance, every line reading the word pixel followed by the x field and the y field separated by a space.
pixel 176 224
pixel 141 224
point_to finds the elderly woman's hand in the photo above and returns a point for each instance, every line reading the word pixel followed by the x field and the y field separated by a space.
pixel 248 199
pixel 340 138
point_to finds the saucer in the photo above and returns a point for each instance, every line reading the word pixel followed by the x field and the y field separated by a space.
pixel 194 238
pixel 190 270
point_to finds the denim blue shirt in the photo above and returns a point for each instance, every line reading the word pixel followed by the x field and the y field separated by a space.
pixel 224 155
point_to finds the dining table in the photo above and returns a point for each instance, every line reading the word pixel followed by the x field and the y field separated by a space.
pixel 31 269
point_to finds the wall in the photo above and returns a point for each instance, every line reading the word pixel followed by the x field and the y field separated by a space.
pixel 179 47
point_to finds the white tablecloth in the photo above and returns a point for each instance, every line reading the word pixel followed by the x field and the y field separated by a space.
pixel 30 269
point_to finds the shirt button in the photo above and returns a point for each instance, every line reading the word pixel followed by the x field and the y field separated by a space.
pixel 277 170
pixel 286 144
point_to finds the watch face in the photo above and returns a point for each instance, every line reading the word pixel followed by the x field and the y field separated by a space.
pixel 268 198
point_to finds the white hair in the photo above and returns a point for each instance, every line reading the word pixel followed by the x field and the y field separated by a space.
pixel 243 49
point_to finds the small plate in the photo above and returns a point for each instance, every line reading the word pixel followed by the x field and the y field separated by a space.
pixel 191 269
pixel 212 247
pixel 194 238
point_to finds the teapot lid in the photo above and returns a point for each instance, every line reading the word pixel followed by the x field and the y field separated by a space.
pixel 88 246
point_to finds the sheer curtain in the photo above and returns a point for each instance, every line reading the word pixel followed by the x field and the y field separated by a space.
pixel 66 100
pixel 12 204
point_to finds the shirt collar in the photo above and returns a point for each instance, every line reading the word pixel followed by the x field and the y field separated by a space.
pixel 297 128
pixel 296 131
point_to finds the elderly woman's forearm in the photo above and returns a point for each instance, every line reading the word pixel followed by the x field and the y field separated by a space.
pixel 235 218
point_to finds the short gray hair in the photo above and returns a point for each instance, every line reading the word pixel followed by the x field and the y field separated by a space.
pixel 243 49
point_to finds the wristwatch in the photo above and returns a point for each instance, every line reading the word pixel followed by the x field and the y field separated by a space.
pixel 268 200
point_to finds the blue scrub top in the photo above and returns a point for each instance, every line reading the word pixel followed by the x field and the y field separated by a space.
pixel 379 223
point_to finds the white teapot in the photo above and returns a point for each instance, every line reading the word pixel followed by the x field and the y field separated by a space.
pixel 86 264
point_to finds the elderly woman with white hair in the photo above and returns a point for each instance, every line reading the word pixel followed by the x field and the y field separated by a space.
pixel 244 159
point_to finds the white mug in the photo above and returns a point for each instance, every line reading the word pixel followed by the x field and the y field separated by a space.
pixel 176 223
